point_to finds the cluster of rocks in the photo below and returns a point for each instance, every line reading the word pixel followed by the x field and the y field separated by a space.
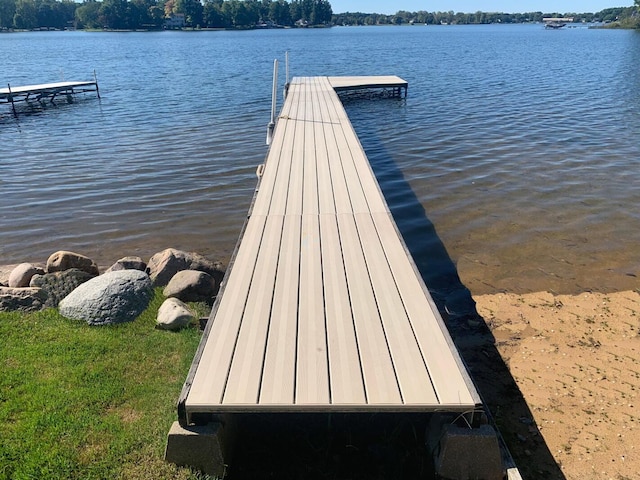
pixel 72 283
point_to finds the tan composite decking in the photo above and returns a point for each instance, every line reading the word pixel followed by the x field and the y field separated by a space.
pixel 322 309
pixel 355 83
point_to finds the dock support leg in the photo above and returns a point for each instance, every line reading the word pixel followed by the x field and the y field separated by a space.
pixel 13 105
pixel 463 452
pixel 95 79
pixel 206 448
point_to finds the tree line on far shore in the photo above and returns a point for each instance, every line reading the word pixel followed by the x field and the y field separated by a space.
pixel 158 14
pixel 619 14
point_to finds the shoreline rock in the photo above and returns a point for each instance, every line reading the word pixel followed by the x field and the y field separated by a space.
pixel 32 286
pixel 25 299
pixel 173 315
pixel 192 286
pixel 64 260
pixel 21 275
pixel 114 297
pixel 164 265
pixel 128 263
pixel 58 285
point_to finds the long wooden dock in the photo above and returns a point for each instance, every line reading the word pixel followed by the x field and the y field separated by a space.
pixel 322 308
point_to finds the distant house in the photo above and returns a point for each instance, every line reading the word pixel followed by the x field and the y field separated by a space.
pixel 267 24
pixel 176 20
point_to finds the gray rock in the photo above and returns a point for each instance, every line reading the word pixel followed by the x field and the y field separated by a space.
pixel 22 299
pixel 22 274
pixel 115 297
pixel 58 285
pixel 128 263
pixel 63 260
pixel 164 265
pixel 173 315
pixel 192 286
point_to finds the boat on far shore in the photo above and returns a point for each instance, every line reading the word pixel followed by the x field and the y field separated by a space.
pixel 556 22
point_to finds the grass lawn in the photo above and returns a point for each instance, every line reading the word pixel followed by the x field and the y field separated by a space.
pixel 80 402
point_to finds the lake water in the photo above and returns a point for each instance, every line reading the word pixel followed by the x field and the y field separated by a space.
pixel 513 163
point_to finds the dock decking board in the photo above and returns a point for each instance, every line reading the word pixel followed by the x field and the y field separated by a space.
pixel 323 308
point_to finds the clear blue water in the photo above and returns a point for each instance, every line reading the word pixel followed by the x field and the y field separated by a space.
pixel 513 163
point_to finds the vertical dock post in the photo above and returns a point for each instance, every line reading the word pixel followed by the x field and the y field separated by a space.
pixel 274 94
pixel 95 79
pixel 286 78
pixel 13 105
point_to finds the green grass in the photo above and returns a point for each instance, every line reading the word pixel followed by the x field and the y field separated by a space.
pixel 80 402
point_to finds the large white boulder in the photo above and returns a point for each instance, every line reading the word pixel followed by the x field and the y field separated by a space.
pixel 115 297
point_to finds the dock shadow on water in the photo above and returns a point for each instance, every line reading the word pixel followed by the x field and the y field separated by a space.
pixel 469 330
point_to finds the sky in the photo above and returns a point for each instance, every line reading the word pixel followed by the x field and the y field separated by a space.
pixel 469 6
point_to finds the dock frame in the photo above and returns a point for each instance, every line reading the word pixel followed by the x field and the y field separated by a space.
pixel 389 86
pixel 45 92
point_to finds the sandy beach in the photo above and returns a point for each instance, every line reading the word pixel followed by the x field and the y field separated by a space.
pixel 561 374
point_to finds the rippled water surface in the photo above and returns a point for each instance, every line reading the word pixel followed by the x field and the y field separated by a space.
pixel 514 161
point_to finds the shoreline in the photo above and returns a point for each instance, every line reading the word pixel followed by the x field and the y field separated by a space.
pixel 561 376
